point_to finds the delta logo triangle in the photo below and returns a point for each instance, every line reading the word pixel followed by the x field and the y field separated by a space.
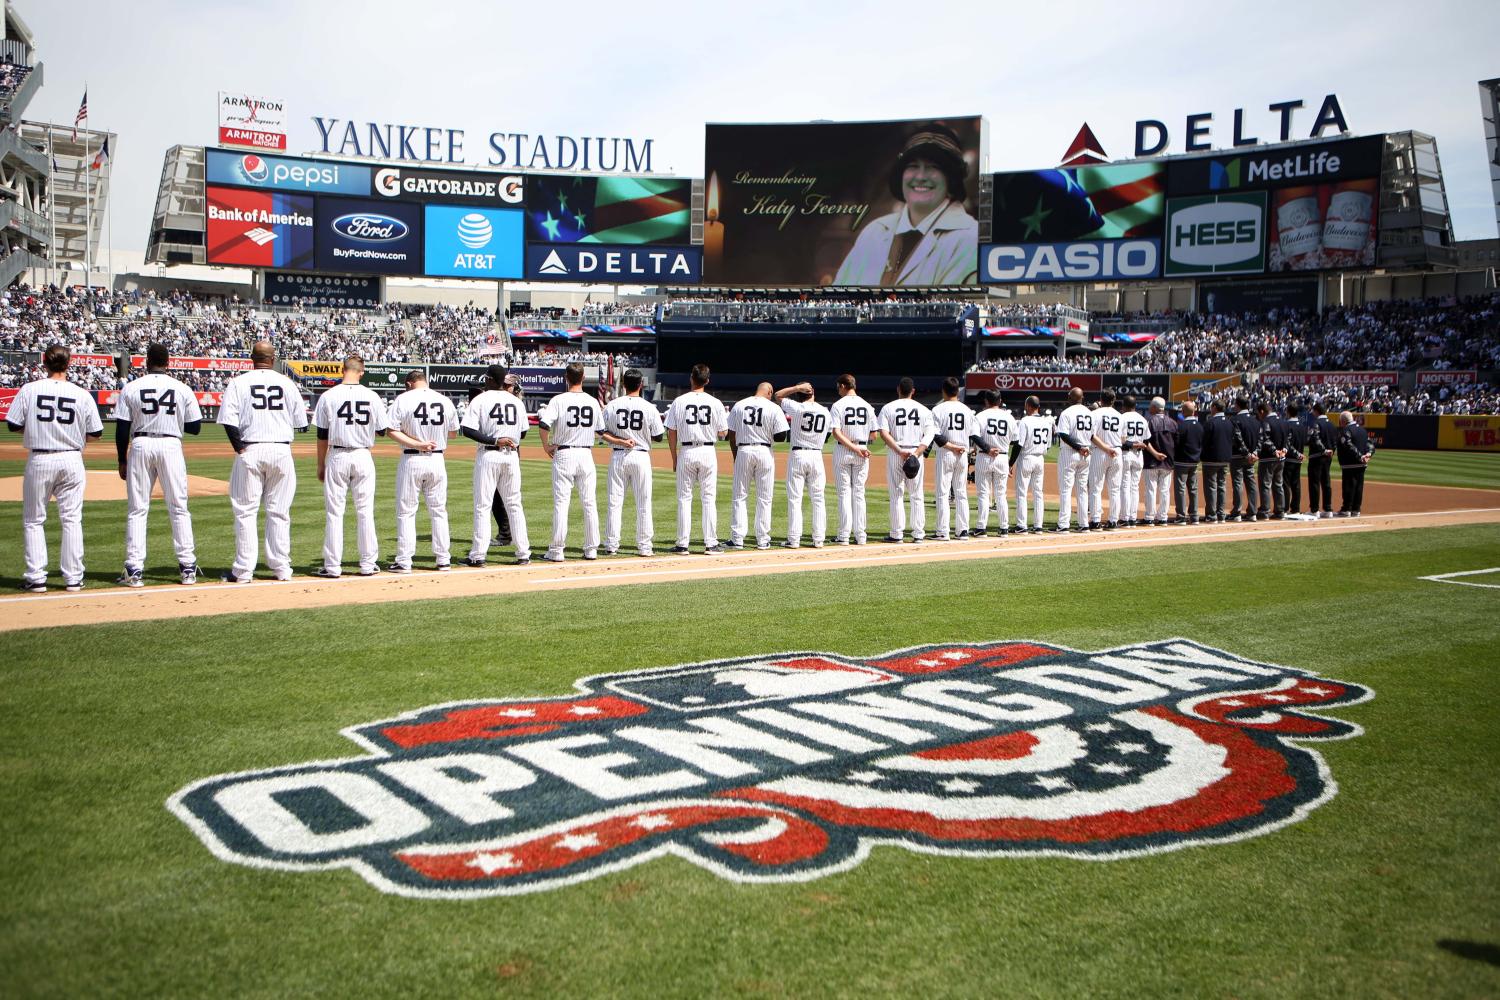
pixel 553 265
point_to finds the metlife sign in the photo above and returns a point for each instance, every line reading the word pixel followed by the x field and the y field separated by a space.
pixel 1083 260
pixel 450 187
pixel 369 236
pixel 468 242
pixel 1277 167
pixel 1216 234
pixel 281 173
pixel 615 265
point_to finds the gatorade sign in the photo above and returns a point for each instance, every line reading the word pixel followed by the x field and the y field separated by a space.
pixel 1216 234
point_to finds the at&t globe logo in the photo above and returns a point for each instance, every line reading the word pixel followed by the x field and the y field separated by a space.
pixel 474 231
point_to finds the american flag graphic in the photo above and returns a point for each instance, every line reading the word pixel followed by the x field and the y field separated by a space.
pixel 1109 201
pixel 628 210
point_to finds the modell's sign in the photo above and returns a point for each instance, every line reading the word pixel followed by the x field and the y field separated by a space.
pixel 1457 376
pixel 258 122
pixel 1276 380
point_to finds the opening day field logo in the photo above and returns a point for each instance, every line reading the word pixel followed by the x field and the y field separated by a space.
pixel 792 766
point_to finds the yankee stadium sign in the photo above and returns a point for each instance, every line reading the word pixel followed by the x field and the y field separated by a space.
pixel 791 766
pixel 518 150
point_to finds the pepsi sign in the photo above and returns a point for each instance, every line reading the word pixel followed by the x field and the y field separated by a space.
pixel 283 173
pixel 369 237
pixel 1083 260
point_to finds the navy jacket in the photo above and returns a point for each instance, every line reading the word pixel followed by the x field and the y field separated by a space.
pixel 1296 440
pixel 1163 439
pixel 1273 433
pixel 1321 439
pixel 1189 444
pixel 1246 434
pixel 1218 439
pixel 1353 444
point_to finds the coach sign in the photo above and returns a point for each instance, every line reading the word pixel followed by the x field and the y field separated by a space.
pixel 1039 382
pixel 1139 386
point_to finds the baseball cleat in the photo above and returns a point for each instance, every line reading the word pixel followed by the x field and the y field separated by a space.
pixel 861 540
pixel 501 540
pixel 788 544
pixel 1079 528
pixel 962 536
pixel 610 552
pixel 552 557
pixel 473 563
pixel 34 588
pixel 817 545
pixel 372 571
pixel 1111 526
pixel 324 573
pixel 441 567
pixel 188 574
pixel 1004 532
pixel 892 539
pixel 399 569
pixel 978 533
pixel 590 556
pixel 130 578
pixel 762 546
pixel 73 587
pixel 228 577
pixel 523 560
pixel 713 550
pixel 679 550
pixel 1033 531
pixel 732 544
pixel 940 538
pixel 645 553
pixel 841 541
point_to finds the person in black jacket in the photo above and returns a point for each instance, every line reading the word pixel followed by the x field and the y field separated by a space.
pixel 1242 464
pixel 1218 451
pixel 1354 449
pixel 1273 434
pixel 1296 451
pixel 1321 440
pixel 1187 452
pixel 1160 454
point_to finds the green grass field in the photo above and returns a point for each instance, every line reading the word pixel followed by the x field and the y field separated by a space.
pixel 1391 888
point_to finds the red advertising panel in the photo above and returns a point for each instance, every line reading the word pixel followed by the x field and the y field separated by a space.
pixel 90 360
pixel 1458 376
pixel 6 395
pixel 107 397
pixel 1027 382
pixel 259 228
pixel 1275 380
pixel 198 364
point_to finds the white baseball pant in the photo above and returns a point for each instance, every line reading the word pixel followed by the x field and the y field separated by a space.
pixel 58 476
pixel 992 480
pixel 1072 480
pixel 1158 492
pixel 346 471
pixel 155 460
pixel 850 473
pixel 1031 472
pixel 805 473
pixel 1104 474
pixel 423 476
pixel 573 468
pixel 498 471
pixel 263 473
pixel 1131 466
pixel 951 494
pixel 629 468
pixel 754 465
pixel 697 469
pixel 907 490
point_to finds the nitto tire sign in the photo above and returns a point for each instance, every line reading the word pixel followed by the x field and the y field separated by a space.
pixel 1216 234
pixel 793 766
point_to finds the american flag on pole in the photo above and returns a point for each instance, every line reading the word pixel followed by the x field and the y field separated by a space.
pixel 607 382
pixel 83 113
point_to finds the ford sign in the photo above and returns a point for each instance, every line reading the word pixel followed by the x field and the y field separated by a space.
pixel 370 227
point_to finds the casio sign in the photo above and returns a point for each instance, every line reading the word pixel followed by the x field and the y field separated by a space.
pixel 1090 260
pixel 370 227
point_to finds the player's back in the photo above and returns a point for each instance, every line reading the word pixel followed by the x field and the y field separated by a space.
pixel 634 419
pixel 855 417
pixel 352 414
pixel 57 415
pixel 809 423
pixel 1035 434
pixel 265 405
pixel 572 419
pixel 953 419
pixel 157 404
pixel 756 420
pixel 496 414
pixel 425 415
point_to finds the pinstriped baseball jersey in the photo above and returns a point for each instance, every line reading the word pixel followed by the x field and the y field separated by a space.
pixel 1077 420
pixel 697 417
pixel 157 404
pixel 1034 434
pixel 424 415
pixel 854 417
pixel 496 414
pixel 908 421
pixel 996 428
pixel 810 423
pixel 265 405
pixel 55 415
pixel 633 418
pixel 1107 426
pixel 1133 428
pixel 756 420
pixel 352 415
pixel 954 420
pixel 572 419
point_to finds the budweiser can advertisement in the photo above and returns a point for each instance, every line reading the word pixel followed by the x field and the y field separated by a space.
pixel 1324 226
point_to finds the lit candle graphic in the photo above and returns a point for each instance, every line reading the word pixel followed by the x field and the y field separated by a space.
pixel 713 232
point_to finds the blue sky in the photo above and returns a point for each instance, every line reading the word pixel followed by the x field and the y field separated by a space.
pixel 153 70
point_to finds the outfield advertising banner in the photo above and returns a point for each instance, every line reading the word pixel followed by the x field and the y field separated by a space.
pixel 822 203
pixel 1476 433
pixel 628 211
pixel 1186 385
pixel 1259 296
pixel 1280 380
pixel 1216 234
pixel 1452 376
pixel 1277 167
pixel 387 374
pixel 449 187
pixel 322 373
pixel 339 291
pixel 1324 227
pixel 1091 260
pixel 1141 386
pixel 282 173
pixel 1029 382
pixel 370 236
pixel 199 364
pixel 259 228
pixel 245 120
pixel 634 265
pixel 467 242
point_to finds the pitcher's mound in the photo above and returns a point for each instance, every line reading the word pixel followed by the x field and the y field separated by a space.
pixel 104 485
